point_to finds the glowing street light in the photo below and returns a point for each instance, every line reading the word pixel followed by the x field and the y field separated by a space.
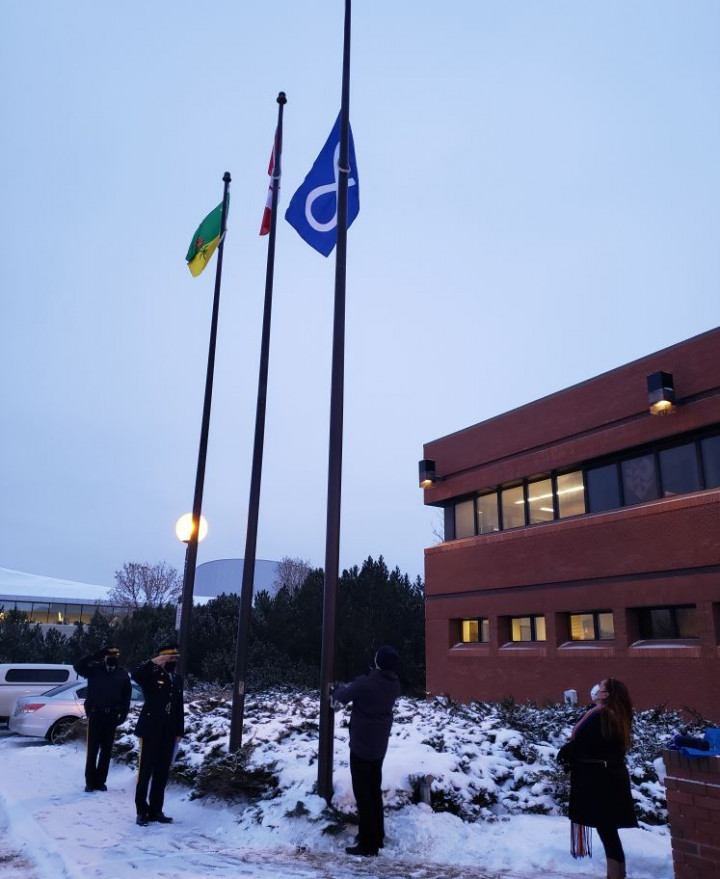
pixel 184 528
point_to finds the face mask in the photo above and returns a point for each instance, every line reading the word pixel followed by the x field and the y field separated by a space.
pixel 111 662
pixel 594 692
pixel 170 666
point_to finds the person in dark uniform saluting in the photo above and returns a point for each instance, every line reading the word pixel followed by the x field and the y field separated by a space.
pixel 106 706
pixel 160 727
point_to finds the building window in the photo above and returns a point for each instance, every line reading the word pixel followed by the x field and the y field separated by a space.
pixel 540 502
pixel 530 628
pixel 464 519
pixel 679 470
pixel 639 479
pixel 603 488
pixel 711 461
pixel 659 623
pixel 596 625
pixel 570 494
pixel 487 513
pixel 513 507
pixel 475 631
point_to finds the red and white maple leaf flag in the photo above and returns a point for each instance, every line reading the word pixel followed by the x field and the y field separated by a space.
pixel 267 213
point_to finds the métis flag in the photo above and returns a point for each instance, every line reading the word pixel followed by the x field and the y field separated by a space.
pixel 267 213
pixel 313 209
pixel 204 241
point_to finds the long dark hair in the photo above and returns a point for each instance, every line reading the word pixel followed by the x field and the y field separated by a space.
pixel 617 712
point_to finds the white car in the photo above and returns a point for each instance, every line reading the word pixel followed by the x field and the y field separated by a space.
pixel 50 714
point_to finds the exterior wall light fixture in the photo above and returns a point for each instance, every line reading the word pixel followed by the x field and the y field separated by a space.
pixel 661 393
pixel 427 474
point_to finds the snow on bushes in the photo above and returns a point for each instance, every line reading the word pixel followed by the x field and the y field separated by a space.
pixel 479 761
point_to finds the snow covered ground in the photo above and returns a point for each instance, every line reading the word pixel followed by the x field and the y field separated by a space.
pixel 51 829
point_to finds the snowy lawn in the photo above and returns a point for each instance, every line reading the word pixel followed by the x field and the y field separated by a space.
pixel 496 799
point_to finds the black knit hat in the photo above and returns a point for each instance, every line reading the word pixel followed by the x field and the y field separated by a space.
pixel 387 658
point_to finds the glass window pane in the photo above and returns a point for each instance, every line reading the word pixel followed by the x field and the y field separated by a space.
pixel 570 494
pixel 39 613
pixel 603 488
pixel 540 629
pixel 24 606
pixel 57 614
pixel 73 614
pixel 469 631
pixel 711 461
pixel 521 629
pixel 679 470
pixel 606 626
pixel 639 482
pixel 685 621
pixel 487 512
pixel 513 507
pixel 540 502
pixel 464 519
pixel 582 627
pixel 485 630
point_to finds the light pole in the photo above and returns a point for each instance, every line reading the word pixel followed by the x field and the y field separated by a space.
pixel 184 528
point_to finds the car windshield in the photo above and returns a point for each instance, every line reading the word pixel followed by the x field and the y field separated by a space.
pixel 61 689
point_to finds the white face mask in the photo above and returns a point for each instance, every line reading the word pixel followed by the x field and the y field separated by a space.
pixel 594 692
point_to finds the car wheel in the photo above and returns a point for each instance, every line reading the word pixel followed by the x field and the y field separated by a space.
pixel 57 732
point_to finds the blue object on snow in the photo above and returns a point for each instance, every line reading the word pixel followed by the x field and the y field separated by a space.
pixel 712 737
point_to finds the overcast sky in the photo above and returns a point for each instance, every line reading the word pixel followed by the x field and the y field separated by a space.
pixel 540 202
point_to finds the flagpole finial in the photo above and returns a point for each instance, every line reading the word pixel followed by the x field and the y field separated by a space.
pixel 281 99
pixel 226 177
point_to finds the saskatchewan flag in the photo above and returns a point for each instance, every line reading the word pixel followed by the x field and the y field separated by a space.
pixel 204 241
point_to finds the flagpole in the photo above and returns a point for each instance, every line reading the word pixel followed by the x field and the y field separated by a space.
pixel 248 575
pixel 192 546
pixel 332 540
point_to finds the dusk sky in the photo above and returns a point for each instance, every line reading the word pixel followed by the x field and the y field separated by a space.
pixel 539 203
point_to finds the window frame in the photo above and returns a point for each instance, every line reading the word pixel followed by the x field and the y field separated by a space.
pixel 595 614
pixel 533 617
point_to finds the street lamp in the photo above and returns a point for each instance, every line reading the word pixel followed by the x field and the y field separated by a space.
pixel 184 530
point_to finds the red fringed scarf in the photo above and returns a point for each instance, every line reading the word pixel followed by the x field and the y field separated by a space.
pixel 580 841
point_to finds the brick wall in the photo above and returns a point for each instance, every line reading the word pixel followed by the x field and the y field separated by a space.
pixel 693 797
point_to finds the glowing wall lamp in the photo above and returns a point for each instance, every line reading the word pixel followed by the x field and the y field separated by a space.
pixel 427 474
pixel 661 393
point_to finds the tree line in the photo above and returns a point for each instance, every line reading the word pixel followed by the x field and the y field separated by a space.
pixel 375 606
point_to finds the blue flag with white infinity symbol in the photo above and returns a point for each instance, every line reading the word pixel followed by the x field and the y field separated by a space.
pixel 313 209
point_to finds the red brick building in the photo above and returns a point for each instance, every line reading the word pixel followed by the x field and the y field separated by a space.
pixel 582 540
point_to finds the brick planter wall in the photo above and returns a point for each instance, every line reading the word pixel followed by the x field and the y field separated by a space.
pixel 693 797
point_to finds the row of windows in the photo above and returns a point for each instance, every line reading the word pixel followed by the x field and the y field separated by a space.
pixel 654 623
pixel 664 471
pixel 62 614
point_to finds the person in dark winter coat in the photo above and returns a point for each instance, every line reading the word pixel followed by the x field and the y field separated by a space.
pixel 107 705
pixel 372 697
pixel 160 727
pixel 600 794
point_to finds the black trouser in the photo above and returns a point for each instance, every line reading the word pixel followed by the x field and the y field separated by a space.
pixel 366 781
pixel 154 770
pixel 101 735
pixel 610 839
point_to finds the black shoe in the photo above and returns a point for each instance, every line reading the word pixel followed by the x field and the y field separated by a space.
pixel 362 852
pixel 142 820
pixel 160 817
pixel 101 787
pixel 89 789
pixel 357 842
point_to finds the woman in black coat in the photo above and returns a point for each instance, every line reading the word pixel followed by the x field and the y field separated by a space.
pixel 599 781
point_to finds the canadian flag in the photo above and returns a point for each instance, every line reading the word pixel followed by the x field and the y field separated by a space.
pixel 267 213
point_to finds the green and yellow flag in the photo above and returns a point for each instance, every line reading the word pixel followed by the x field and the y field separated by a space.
pixel 204 241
